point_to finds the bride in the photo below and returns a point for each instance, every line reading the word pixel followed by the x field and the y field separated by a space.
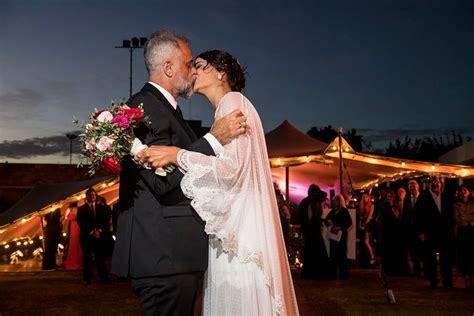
pixel 233 193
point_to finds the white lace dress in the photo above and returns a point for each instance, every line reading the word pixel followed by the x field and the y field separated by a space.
pixel 248 270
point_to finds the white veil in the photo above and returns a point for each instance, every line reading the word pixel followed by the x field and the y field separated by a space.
pixel 234 195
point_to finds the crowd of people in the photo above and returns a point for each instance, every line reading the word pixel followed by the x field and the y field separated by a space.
pixel 407 232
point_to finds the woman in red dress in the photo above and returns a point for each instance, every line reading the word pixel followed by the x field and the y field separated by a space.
pixel 74 252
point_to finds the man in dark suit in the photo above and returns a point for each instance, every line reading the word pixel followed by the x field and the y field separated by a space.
pixel 408 218
pixel 160 243
pixel 434 225
pixel 94 224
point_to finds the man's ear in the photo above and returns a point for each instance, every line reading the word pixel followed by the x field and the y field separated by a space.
pixel 168 68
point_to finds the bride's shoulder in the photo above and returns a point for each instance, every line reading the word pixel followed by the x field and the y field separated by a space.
pixel 232 101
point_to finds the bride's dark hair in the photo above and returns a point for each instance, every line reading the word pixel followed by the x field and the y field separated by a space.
pixel 225 62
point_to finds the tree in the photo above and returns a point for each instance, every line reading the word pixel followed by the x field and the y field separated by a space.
pixel 426 148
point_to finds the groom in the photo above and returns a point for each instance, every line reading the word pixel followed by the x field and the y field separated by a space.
pixel 161 244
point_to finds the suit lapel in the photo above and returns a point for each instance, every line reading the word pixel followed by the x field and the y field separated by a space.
pixel 158 95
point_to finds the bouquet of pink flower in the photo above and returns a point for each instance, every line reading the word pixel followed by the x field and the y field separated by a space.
pixel 108 137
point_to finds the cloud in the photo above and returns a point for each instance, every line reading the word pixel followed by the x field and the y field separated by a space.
pixel 20 105
pixel 22 98
pixel 40 146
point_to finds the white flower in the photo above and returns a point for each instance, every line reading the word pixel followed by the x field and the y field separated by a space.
pixel 105 143
pixel 125 107
pixel 105 117
pixel 89 126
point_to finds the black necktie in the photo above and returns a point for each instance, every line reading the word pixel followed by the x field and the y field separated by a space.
pixel 179 111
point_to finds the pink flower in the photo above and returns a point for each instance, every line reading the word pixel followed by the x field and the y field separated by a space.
pixel 125 107
pixel 90 144
pixel 95 114
pixel 111 165
pixel 88 126
pixel 105 117
pixel 104 143
pixel 121 121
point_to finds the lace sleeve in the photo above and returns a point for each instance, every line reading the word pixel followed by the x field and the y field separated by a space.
pixel 213 183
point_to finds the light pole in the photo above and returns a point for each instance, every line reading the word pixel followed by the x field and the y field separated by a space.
pixel 70 136
pixel 131 45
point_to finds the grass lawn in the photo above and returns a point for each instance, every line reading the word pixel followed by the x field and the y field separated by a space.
pixel 63 293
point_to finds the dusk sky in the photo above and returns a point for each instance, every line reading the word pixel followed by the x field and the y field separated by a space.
pixel 387 68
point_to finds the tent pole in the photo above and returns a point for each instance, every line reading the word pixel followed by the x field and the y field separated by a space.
pixel 341 188
pixel 42 232
pixel 287 185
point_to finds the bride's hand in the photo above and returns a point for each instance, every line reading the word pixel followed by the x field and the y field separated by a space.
pixel 158 156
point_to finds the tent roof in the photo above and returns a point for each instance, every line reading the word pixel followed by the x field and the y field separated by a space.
pixel 361 170
pixel 43 195
pixel 288 141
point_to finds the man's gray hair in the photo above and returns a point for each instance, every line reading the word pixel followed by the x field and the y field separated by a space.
pixel 162 46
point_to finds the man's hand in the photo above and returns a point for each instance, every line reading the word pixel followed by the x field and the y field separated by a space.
pixel 158 156
pixel 229 127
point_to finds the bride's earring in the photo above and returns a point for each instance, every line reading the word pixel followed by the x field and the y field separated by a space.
pixel 219 77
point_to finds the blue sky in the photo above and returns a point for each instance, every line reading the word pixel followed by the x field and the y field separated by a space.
pixel 387 68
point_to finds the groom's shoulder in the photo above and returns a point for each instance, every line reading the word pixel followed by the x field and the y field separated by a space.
pixel 148 96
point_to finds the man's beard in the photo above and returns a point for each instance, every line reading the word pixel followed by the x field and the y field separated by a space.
pixel 185 88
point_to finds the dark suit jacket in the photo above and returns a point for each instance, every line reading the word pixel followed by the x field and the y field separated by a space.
pixel 437 226
pixel 158 232
pixel 87 222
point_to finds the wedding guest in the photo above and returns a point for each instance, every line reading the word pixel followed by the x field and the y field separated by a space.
pixel 339 221
pixel 94 224
pixel 108 242
pixel 435 229
pixel 315 256
pixel 413 244
pixel 74 260
pixel 464 221
pixel 367 225
pixel 392 244
pixel 52 234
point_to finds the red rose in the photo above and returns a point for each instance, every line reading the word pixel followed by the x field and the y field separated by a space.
pixel 111 165
pixel 133 114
